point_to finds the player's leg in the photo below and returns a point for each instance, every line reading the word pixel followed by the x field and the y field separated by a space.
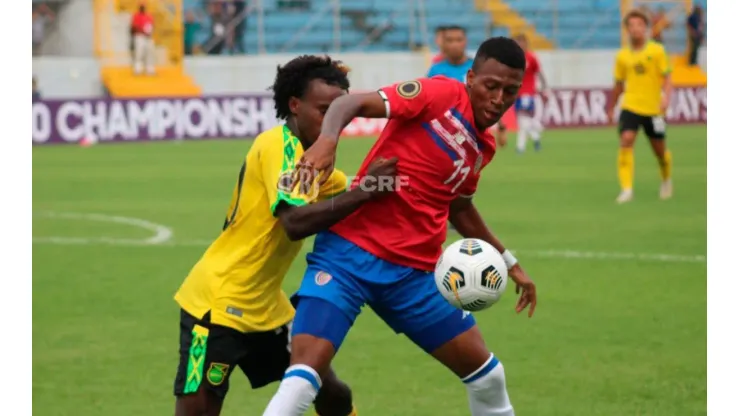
pixel 629 123
pixel 334 398
pixel 414 307
pixel 329 300
pixel 536 132
pixel 523 121
pixel 207 357
pixel 268 357
pixel 655 129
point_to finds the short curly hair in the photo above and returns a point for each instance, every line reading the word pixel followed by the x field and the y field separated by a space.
pixel 292 79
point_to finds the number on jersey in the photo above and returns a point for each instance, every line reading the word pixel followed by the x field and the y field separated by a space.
pixel 458 176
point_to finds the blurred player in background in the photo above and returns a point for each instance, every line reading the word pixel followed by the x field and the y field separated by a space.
pixel 234 312
pixel 384 254
pixel 439 34
pixel 642 73
pixel 529 126
pixel 456 62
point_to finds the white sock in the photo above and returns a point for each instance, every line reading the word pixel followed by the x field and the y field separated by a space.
pixel 535 129
pixel 486 387
pixel 523 124
pixel 296 393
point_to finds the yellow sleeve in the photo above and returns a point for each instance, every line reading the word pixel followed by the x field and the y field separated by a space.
pixel 277 158
pixel 664 65
pixel 336 184
pixel 620 72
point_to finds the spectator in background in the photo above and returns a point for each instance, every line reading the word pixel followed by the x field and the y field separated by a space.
pixel 661 22
pixel 439 34
pixel 696 29
pixel 36 92
pixel 142 28
pixel 217 41
pixel 42 16
pixel 190 29
pixel 456 62
pixel 240 13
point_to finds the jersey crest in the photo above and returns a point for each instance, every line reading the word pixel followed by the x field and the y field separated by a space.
pixel 408 89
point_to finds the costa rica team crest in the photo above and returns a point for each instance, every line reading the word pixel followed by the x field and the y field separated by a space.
pixel 322 278
pixel 408 89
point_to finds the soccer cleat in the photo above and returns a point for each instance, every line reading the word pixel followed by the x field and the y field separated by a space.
pixel 624 196
pixel 666 189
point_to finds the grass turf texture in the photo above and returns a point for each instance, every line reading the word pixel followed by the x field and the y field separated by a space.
pixel 610 337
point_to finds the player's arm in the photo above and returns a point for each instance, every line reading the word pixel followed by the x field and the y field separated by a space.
pixel 406 100
pixel 468 222
pixel 541 76
pixel 301 221
pixel 664 67
pixel 620 72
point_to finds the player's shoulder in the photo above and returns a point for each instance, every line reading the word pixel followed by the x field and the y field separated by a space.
pixel 271 137
pixel 655 47
pixel 442 83
pixel 623 52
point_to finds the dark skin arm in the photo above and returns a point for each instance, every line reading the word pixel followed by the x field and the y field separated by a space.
pixel 467 221
pixel 300 222
pixel 616 93
pixel 340 113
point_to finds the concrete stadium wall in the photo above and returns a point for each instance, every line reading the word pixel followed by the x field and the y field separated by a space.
pixel 80 77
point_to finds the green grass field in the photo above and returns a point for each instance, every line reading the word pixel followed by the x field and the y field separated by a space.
pixel 620 330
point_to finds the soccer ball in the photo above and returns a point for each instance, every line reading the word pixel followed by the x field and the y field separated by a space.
pixel 471 274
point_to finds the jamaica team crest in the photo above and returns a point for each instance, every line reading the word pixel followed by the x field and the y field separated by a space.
pixel 217 373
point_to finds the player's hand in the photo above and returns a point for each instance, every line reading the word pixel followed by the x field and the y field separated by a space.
pixel 525 288
pixel 663 104
pixel 502 139
pixel 381 177
pixel 318 160
pixel 612 115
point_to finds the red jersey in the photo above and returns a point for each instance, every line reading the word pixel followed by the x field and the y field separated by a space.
pixel 529 82
pixel 440 153
pixel 142 23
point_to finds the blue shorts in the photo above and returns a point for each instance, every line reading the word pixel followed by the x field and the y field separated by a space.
pixel 341 278
pixel 524 103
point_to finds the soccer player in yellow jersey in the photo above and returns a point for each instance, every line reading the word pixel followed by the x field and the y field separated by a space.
pixel 233 310
pixel 642 73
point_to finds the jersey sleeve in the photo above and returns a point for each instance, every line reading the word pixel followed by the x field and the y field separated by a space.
pixel 277 160
pixel 408 100
pixel 336 184
pixel 536 68
pixel 620 72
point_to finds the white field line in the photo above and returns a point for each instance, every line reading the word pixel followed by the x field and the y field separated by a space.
pixel 163 237
pixel 162 234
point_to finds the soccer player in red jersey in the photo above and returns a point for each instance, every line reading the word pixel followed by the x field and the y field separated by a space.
pixel 384 254
pixel 529 126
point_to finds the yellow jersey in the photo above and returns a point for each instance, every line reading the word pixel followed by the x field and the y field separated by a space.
pixel 643 72
pixel 239 277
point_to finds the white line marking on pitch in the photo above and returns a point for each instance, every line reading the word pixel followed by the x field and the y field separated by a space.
pixel 162 234
pixel 553 254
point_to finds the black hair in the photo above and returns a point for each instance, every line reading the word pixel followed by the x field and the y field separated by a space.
pixel 456 27
pixel 502 49
pixel 292 79
pixel 440 29
pixel 636 14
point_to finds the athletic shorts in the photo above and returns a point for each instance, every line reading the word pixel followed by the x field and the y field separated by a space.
pixel 341 278
pixel 209 353
pixel 654 126
pixel 524 103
